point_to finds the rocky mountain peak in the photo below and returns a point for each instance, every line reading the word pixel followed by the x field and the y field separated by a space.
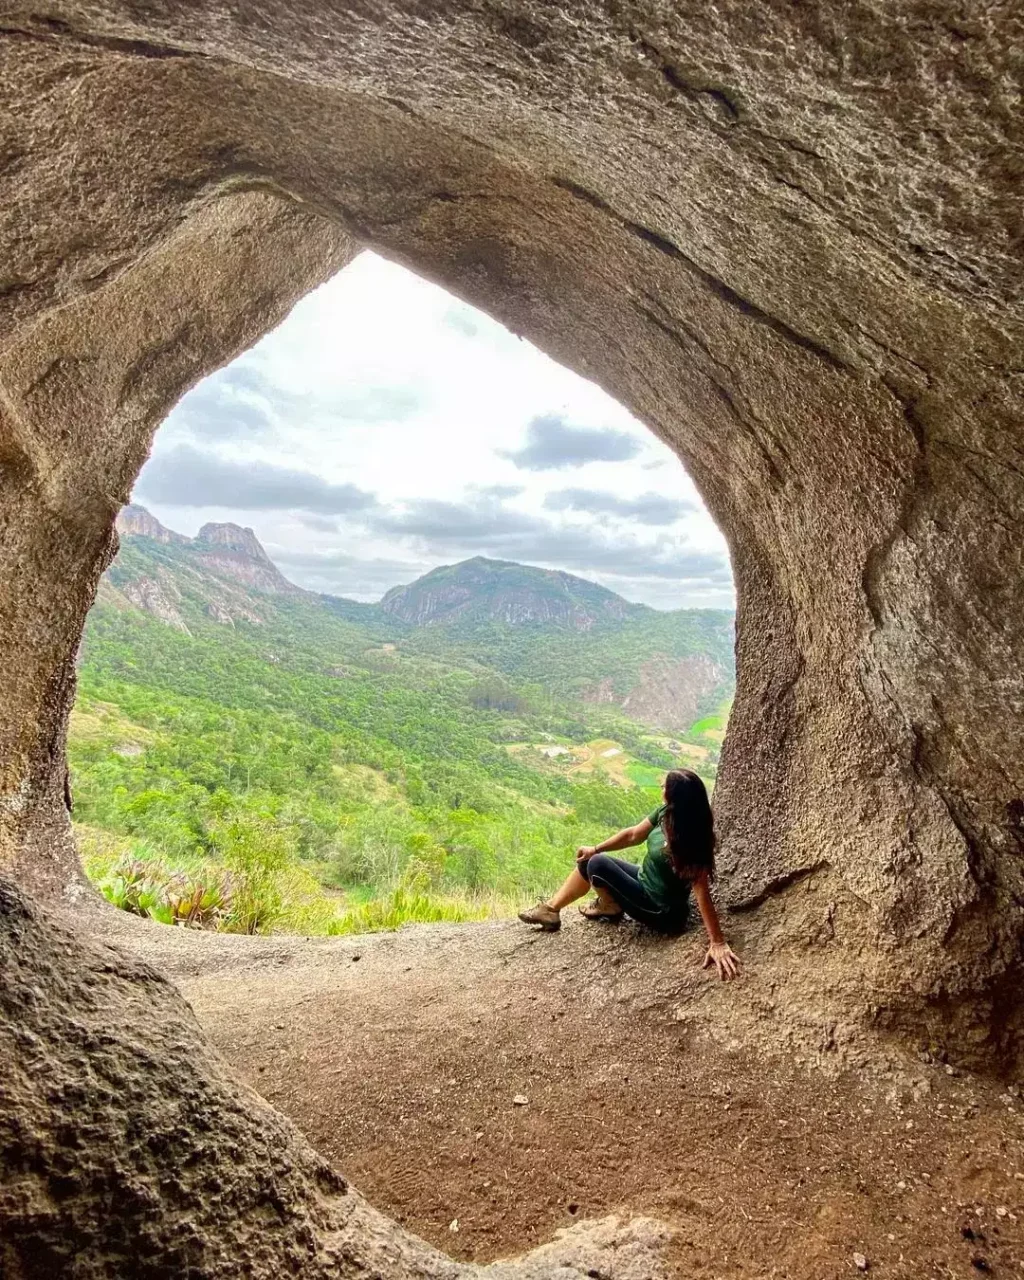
pixel 135 521
pixel 215 565
pixel 486 591
pixel 233 537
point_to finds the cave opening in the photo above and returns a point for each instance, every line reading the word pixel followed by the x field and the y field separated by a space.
pixel 788 244
pixel 391 500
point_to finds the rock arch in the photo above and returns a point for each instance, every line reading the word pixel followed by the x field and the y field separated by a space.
pixel 788 240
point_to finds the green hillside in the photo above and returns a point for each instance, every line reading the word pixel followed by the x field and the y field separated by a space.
pixel 500 592
pixel 260 757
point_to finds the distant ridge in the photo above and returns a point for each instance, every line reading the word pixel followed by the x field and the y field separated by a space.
pixel 472 592
pixel 533 626
pixel 482 590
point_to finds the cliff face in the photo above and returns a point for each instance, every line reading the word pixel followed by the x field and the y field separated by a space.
pixel 237 553
pixel 224 569
pixel 670 691
pixel 135 521
pixel 159 597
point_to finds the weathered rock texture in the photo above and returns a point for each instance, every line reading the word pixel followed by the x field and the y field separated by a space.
pixel 788 237
pixel 670 690
pixel 127 1149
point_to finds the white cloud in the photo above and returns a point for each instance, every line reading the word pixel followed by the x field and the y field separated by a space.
pixel 415 423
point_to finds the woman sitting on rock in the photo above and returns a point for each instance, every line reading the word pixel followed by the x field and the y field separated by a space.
pixel 680 857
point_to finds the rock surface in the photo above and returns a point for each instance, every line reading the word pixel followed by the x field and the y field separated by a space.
pixel 156 597
pixel 787 237
pixel 136 521
pixel 127 1148
pixel 237 553
pixel 759 1155
pixel 224 568
pixel 669 692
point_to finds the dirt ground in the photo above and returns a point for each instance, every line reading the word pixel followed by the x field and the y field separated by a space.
pixel 486 1085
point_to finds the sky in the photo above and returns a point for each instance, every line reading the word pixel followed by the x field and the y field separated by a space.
pixel 385 427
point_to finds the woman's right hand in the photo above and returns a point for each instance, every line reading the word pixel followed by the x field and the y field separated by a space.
pixel 586 851
pixel 725 960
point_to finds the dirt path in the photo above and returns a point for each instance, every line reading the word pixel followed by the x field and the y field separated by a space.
pixel 402 1058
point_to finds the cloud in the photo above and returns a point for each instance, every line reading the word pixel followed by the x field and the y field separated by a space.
pixel 231 403
pixel 587 552
pixel 500 491
pixel 454 523
pixel 484 330
pixel 188 477
pixel 647 508
pixel 337 558
pixel 320 524
pixel 552 444
pixel 374 403
pixel 242 401
pixel 462 320
pixel 340 573
pixel 483 526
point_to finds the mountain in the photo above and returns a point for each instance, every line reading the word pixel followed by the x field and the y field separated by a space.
pixel 224 570
pixel 137 522
pixel 482 590
pixel 529 626
pixel 422 755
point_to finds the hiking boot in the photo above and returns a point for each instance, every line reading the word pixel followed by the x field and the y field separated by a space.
pixel 547 917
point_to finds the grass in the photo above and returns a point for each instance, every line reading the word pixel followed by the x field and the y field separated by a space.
pixel 408 906
pixel 116 865
pixel 709 724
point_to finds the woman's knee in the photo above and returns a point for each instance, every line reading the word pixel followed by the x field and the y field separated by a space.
pixel 597 865
pixel 583 866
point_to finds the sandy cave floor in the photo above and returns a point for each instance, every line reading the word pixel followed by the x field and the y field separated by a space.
pixel 401 1058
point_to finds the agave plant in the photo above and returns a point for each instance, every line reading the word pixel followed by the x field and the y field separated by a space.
pixel 201 900
pixel 197 900
pixel 134 885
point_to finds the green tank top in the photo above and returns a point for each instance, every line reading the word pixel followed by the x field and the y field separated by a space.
pixel 668 890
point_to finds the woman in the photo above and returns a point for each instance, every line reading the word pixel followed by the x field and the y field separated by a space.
pixel 680 839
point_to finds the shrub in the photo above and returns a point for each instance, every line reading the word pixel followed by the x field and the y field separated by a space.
pixel 256 851
pixel 198 900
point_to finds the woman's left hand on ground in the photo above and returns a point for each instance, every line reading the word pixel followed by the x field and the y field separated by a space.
pixel 722 956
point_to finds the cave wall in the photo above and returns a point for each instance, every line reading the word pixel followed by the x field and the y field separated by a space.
pixel 787 238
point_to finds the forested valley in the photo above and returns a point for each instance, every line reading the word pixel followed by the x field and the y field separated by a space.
pixel 249 756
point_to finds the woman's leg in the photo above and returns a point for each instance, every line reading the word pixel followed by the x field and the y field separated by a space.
pixel 621 880
pixel 548 914
pixel 575 887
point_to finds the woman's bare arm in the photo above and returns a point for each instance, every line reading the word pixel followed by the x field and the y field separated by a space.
pixel 624 839
pixel 719 953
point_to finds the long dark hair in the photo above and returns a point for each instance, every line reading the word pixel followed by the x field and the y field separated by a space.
pixel 689 825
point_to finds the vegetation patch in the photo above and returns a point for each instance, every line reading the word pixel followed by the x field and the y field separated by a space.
pixel 331 769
